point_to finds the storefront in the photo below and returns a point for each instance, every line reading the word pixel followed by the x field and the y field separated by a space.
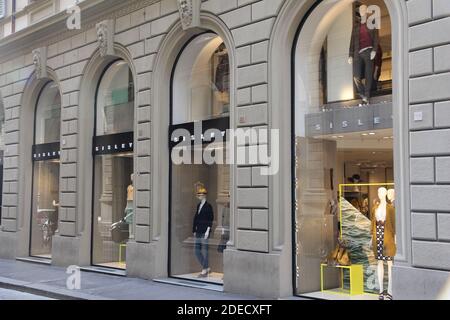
pixel 200 189
pixel 115 153
pixel 344 198
pixel 113 191
pixel 45 156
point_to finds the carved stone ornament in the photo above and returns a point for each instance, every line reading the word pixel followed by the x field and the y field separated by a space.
pixel 189 13
pixel 40 62
pixel 105 37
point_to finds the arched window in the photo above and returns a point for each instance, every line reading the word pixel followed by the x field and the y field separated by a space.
pixel 199 192
pixel 343 140
pixel 46 154
pixel 113 206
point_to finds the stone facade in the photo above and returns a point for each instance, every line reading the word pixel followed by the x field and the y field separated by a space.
pixel 148 34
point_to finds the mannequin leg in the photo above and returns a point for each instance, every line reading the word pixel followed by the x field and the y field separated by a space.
pixel 368 73
pixel 358 74
pixel 198 250
pixel 380 273
pixel 390 263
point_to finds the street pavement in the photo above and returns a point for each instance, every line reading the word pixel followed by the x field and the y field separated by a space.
pixel 50 281
pixel 7 294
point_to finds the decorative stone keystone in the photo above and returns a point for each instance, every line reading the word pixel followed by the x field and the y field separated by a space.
pixel 189 13
pixel 40 62
pixel 105 37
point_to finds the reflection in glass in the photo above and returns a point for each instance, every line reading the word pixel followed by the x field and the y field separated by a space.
pixel 48 115
pixel 201 83
pixel 44 220
pixel 115 100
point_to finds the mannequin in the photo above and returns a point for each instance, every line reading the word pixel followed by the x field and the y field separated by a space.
pixel 363 50
pixel 129 212
pixel 202 224
pixel 391 197
pixel 383 240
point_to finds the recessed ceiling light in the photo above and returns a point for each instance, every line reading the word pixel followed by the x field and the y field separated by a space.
pixel 364 134
pixel 340 136
pixel 372 133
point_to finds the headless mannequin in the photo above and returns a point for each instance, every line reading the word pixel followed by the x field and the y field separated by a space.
pixel 391 196
pixel 380 215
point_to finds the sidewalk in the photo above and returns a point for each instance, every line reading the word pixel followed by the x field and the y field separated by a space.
pixel 50 281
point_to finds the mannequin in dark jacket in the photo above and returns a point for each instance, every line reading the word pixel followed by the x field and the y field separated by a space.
pixel 201 228
pixel 363 50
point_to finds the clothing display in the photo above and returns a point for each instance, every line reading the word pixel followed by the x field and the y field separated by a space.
pixel 380 243
pixel 364 40
pixel 203 218
pixel 389 248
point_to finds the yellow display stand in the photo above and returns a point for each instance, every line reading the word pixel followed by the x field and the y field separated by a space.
pixel 121 246
pixel 356 279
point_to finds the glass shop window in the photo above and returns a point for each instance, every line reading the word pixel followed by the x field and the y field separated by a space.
pixel 344 156
pixel 200 192
pixel 46 155
pixel 113 202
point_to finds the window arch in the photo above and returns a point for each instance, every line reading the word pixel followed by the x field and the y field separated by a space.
pixel 343 141
pixel 113 196
pixel 201 81
pixel 46 165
